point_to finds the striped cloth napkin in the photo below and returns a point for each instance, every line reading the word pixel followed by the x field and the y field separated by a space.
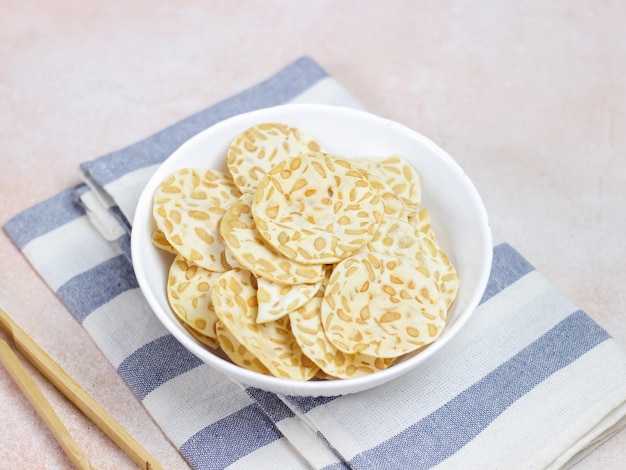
pixel 531 382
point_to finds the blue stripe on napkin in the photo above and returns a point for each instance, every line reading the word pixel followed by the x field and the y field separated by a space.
pixel 123 244
pixel 439 435
pixel 120 217
pixel 156 363
pixel 44 217
pixel 306 404
pixel 507 267
pixel 273 406
pixel 92 289
pixel 280 88
pixel 229 439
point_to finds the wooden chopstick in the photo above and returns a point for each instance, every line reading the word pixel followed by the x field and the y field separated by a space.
pixel 74 393
pixel 38 401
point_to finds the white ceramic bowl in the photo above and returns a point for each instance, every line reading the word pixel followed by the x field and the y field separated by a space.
pixel 458 217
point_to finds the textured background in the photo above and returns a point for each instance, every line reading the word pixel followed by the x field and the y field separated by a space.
pixel 528 97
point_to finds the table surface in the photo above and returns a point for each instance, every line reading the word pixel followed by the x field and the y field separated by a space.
pixel 529 98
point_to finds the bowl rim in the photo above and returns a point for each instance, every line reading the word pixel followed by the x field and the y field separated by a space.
pixel 322 387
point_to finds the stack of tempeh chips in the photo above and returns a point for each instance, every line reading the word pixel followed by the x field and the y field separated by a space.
pixel 301 264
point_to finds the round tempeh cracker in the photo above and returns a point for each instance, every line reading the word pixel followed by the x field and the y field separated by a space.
pixel 382 306
pixel 403 179
pixel 392 204
pixel 307 327
pixel 235 302
pixel 316 208
pixel 188 207
pixel 189 294
pixel 237 352
pixel 277 300
pixel 399 175
pixel 395 237
pixel 399 238
pixel 253 252
pixel 258 149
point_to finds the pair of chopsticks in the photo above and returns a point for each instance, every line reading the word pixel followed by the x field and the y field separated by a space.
pixel 72 391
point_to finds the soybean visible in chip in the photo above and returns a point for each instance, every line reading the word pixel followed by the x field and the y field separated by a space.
pixel 188 207
pixel 253 252
pixel 235 302
pixel 159 240
pixel 307 327
pixel 421 221
pixel 400 176
pixel 392 204
pixel 316 208
pixel 382 306
pixel 189 294
pixel 236 351
pixel 258 149
pixel 277 300
pixel 399 238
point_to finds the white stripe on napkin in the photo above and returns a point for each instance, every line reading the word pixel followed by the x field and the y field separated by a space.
pixel 127 189
pixel 100 216
pixel 557 419
pixel 596 435
pixel 197 403
pixel 77 236
pixel 314 450
pixel 119 334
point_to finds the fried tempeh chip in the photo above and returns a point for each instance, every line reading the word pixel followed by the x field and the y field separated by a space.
pixel 253 252
pixel 316 208
pixel 188 207
pixel 189 294
pixel 235 302
pixel 382 306
pixel 258 149
pixel 307 327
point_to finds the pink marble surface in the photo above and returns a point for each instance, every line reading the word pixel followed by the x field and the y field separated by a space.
pixel 529 97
